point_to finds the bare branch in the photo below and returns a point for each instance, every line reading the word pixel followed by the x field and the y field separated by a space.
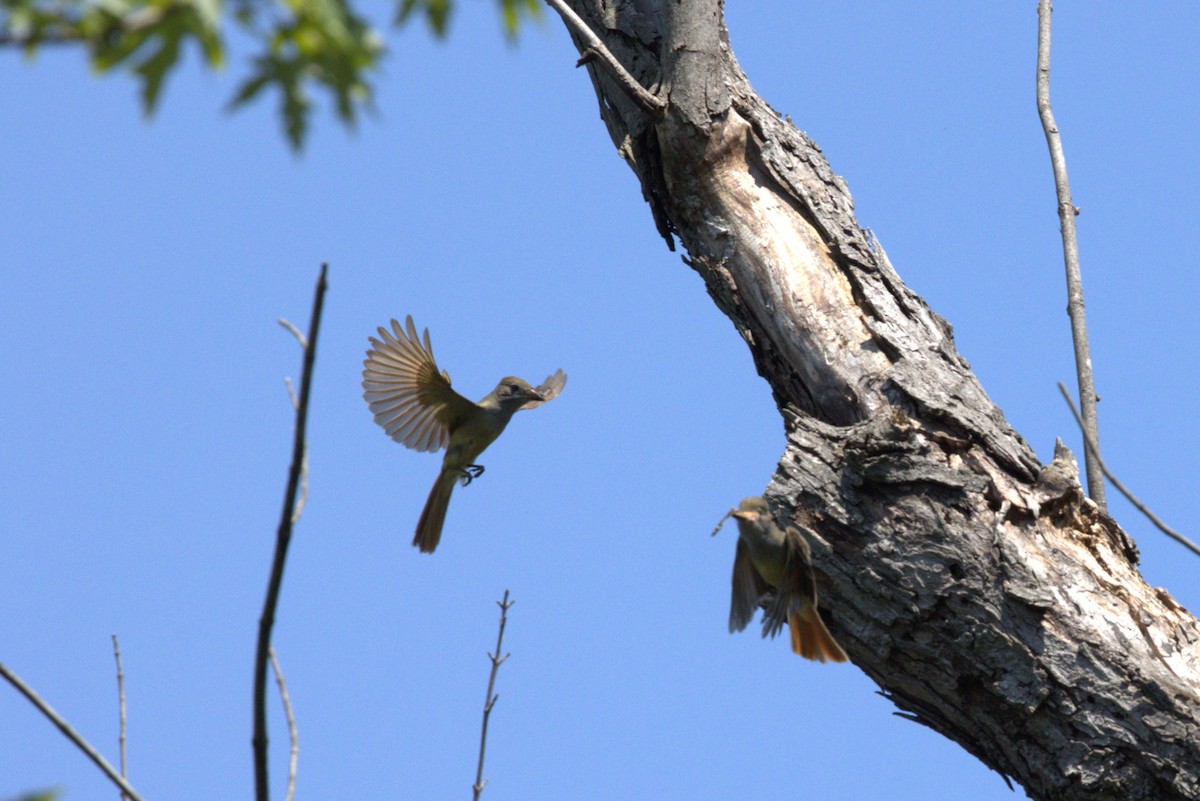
pixel 491 699
pixel 283 538
pixel 121 706
pixel 70 733
pixel 287 382
pixel 293 733
pixel 1141 507
pixel 295 331
pixel 1066 217
pixel 303 499
pixel 594 49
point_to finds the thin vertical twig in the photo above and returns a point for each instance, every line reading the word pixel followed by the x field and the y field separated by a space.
pixel 293 732
pixel 1066 216
pixel 491 699
pixel 287 382
pixel 283 538
pixel 291 390
pixel 121 714
pixel 70 733
pixel 1116 482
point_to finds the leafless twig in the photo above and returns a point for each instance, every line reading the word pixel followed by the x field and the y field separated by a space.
pixel 70 733
pixel 1066 217
pixel 295 331
pixel 282 539
pixel 293 733
pixel 491 699
pixel 1141 507
pixel 595 49
pixel 287 382
pixel 121 706
pixel 303 499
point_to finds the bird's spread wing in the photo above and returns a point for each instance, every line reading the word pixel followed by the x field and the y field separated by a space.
pixel 550 389
pixel 748 588
pixel 797 590
pixel 810 638
pixel 798 573
pixel 409 397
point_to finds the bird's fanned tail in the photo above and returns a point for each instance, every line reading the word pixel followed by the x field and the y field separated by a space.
pixel 810 638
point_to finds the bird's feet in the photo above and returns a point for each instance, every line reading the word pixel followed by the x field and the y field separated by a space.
pixel 470 473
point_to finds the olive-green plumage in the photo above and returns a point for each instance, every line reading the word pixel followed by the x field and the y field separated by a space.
pixel 413 401
pixel 775 561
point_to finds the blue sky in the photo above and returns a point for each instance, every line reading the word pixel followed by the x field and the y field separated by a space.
pixel 147 431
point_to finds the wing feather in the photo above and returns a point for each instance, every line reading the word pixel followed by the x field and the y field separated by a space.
pixel 748 589
pixel 408 396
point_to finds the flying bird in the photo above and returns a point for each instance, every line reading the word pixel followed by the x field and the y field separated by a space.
pixel 774 561
pixel 413 401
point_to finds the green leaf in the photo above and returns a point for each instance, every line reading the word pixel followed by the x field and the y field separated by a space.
pixel 512 11
pixel 39 795
pixel 306 46
pixel 150 36
pixel 111 43
pixel 323 44
pixel 154 68
pixel 249 90
pixel 296 108
pixel 436 12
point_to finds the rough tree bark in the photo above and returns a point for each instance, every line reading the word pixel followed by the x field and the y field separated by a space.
pixel 988 598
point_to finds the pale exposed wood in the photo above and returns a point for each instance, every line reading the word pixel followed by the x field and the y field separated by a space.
pixel 982 591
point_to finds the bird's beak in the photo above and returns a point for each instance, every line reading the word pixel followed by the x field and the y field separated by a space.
pixel 742 514
pixel 533 394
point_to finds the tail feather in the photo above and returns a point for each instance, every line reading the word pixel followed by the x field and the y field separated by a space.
pixel 810 638
pixel 429 527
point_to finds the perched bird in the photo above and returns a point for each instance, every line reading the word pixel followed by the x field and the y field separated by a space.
pixel 775 561
pixel 414 403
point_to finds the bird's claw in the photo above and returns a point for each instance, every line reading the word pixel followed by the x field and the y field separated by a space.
pixel 470 473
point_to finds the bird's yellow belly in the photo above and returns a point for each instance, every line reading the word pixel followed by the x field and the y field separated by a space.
pixel 771 569
pixel 468 441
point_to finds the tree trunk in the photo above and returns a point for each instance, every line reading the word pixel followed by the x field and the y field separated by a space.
pixel 989 599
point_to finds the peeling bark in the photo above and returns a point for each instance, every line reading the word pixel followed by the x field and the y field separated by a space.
pixel 988 598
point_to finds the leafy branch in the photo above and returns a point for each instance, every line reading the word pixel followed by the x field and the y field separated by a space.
pixel 302 46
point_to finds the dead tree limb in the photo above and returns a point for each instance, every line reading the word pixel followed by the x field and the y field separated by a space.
pixel 983 592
